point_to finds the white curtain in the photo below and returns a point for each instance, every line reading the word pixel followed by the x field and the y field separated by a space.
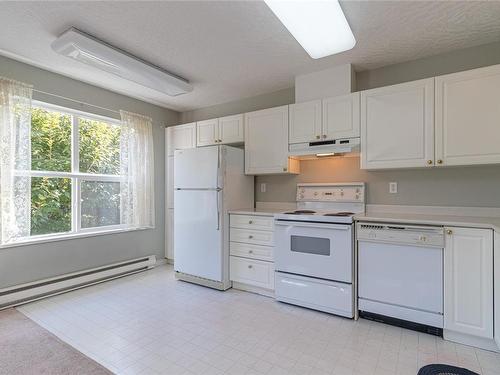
pixel 15 160
pixel 137 169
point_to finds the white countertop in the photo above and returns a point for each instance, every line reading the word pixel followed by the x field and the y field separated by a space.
pixel 429 219
pixel 400 217
pixel 256 211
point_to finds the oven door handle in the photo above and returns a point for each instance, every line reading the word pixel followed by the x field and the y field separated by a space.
pixel 312 225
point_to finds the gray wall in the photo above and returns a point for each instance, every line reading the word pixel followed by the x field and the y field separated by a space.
pixel 476 186
pixel 451 62
pixel 27 263
pixel 460 186
pixel 274 99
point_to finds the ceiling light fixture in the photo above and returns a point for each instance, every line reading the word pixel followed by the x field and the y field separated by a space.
pixel 320 27
pixel 85 48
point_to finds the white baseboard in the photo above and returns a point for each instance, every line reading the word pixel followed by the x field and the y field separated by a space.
pixel 477 342
pixel 253 289
pixel 23 293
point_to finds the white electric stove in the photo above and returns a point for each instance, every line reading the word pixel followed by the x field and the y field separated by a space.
pixel 314 247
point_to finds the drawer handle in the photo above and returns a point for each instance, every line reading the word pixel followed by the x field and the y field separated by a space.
pixel 250 266
pixel 250 236
pixel 250 222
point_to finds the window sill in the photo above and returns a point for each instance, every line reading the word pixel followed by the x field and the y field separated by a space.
pixel 69 236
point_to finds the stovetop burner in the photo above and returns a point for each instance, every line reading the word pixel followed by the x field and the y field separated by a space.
pixel 301 212
pixel 340 214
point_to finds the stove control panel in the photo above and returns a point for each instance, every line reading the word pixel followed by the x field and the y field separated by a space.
pixel 331 193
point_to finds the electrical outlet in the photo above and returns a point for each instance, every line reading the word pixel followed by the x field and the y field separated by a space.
pixel 263 187
pixel 393 187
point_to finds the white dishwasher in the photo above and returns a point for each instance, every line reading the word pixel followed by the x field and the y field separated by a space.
pixel 400 275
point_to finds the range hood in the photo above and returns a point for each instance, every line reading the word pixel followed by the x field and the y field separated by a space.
pixel 311 150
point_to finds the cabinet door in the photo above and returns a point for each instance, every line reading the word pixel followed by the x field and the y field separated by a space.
pixel 468 117
pixel 207 132
pixel 341 116
pixel 266 141
pixel 231 129
pixel 169 251
pixel 305 122
pixel 170 181
pixel 468 281
pixel 397 126
pixel 181 137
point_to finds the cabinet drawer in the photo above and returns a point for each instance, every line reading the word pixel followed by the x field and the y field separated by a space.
pixel 257 237
pixel 252 251
pixel 252 272
pixel 252 222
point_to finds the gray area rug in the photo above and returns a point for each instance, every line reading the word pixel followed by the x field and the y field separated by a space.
pixel 27 348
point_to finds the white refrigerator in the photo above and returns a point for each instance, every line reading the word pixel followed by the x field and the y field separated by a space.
pixel 208 182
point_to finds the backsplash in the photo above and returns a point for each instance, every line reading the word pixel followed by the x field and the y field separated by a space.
pixel 475 186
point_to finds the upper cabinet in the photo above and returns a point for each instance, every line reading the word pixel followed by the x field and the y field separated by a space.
pixel 341 116
pixel 397 126
pixel 327 119
pixel 266 142
pixel 181 137
pixel 207 132
pixel 468 117
pixel 305 122
pixel 224 130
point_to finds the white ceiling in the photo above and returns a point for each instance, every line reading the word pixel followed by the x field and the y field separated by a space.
pixel 235 49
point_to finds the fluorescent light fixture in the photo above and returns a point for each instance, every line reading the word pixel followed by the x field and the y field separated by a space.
pixel 85 48
pixel 325 154
pixel 319 26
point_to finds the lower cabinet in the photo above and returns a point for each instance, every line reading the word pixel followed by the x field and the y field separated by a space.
pixel 468 286
pixel 251 248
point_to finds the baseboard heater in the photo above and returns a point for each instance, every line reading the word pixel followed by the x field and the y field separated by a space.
pixel 20 294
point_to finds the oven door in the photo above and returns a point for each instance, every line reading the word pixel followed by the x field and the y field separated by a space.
pixel 314 249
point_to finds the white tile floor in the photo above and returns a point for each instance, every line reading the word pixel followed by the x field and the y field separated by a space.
pixel 150 323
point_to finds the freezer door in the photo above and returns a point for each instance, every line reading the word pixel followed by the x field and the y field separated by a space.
pixel 198 233
pixel 197 168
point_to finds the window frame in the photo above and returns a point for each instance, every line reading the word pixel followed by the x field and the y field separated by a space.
pixel 76 178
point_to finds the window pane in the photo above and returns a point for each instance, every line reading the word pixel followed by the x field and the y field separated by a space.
pixel 50 205
pixel 100 203
pixel 99 147
pixel 50 141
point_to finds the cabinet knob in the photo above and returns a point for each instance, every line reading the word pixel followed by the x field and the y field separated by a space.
pixel 250 251
pixel 429 162
pixel 440 161
pixel 250 266
pixel 318 137
pixel 285 169
pixel 324 135
pixel 215 141
pixel 220 140
pixel 250 236
pixel 250 222
pixel 449 232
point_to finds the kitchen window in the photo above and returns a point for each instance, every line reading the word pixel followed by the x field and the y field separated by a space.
pixel 66 173
pixel 75 172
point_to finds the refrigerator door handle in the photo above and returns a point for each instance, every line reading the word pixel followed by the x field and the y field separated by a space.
pixel 218 212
